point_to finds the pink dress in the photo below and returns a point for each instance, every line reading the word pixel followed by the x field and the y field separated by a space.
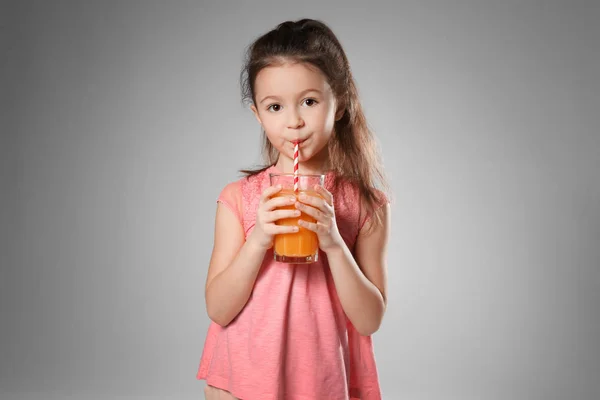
pixel 292 340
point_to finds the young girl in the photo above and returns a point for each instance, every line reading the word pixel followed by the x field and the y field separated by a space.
pixel 290 331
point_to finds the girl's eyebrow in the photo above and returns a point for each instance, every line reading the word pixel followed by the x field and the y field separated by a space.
pixel 299 94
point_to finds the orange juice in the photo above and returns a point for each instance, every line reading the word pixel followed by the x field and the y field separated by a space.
pixel 298 247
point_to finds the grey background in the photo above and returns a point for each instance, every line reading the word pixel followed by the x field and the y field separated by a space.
pixel 121 122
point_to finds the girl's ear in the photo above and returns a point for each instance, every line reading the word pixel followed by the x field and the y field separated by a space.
pixel 255 112
pixel 340 109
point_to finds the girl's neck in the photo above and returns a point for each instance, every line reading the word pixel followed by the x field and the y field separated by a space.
pixel 312 166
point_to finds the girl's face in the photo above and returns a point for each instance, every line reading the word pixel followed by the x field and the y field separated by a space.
pixel 294 102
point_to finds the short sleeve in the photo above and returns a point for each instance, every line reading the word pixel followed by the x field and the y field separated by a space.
pixel 231 197
pixel 380 200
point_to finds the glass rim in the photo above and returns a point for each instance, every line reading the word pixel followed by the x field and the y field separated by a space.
pixel 271 174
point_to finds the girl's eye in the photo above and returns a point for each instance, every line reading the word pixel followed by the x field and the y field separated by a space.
pixel 277 107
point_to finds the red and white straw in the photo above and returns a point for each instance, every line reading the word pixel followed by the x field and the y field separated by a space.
pixel 296 151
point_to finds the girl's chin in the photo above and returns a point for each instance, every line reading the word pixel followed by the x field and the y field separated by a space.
pixel 304 157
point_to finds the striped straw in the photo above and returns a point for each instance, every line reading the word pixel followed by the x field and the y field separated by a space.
pixel 296 148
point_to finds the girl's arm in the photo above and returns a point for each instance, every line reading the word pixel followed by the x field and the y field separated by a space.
pixel 361 283
pixel 233 268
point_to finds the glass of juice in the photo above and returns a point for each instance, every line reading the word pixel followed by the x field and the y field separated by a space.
pixel 300 247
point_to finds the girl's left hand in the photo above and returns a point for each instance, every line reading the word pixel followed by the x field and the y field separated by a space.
pixel 322 210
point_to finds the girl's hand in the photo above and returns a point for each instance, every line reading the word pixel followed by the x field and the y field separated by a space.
pixel 321 209
pixel 266 215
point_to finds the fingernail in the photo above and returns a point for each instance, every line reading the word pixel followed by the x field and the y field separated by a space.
pixel 297 213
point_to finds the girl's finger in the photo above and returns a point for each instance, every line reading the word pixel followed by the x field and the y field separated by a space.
pixel 313 201
pixel 313 212
pixel 328 210
pixel 273 216
pixel 311 226
pixel 268 192
pixel 319 204
pixel 281 229
pixel 327 195
pixel 279 201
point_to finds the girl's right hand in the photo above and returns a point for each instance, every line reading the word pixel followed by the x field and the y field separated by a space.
pixel 267 213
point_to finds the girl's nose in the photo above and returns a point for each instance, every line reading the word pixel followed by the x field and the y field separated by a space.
pixel 295 120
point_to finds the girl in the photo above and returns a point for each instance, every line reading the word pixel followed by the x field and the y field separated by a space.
pixel 289 331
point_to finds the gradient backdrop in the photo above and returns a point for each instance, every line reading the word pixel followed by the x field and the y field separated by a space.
pixel 121 122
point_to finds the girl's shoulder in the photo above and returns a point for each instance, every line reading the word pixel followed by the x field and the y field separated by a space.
pixel 349 189
pixel 242 195
pixel 245 185
pixel 351 200
pixel 369 209
pixel 231 197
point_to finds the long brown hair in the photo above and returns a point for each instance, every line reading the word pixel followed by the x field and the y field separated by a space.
pixel 353 152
